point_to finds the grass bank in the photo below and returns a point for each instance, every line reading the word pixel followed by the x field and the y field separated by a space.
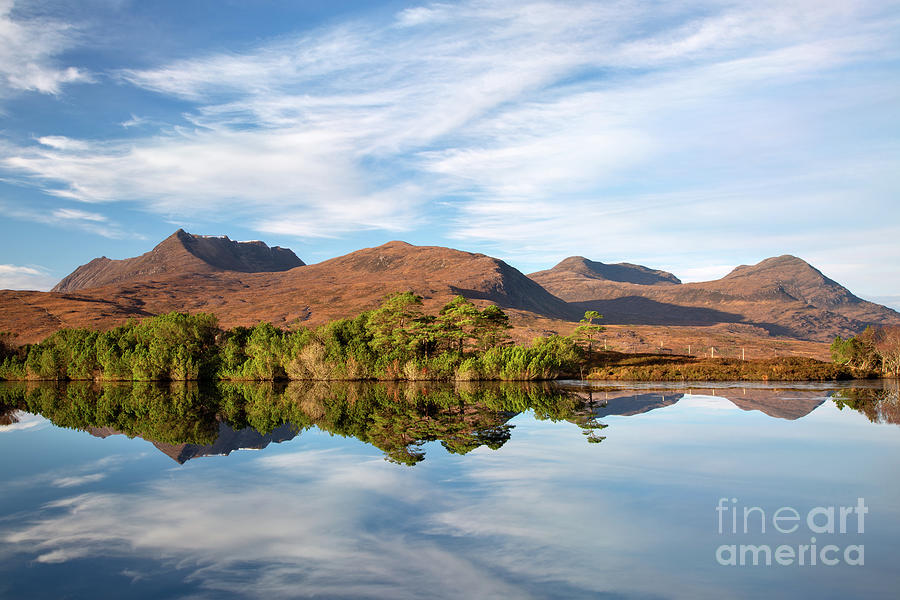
pixel 668 367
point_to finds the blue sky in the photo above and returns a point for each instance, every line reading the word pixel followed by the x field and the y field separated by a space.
pixel 689 136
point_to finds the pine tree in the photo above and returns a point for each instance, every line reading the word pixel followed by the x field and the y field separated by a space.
pixel 588 330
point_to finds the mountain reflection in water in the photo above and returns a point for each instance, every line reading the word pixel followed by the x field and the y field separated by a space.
pixel 186 421
pixel 545 515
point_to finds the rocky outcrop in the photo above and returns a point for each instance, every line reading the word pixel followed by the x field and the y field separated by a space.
pixel 181 254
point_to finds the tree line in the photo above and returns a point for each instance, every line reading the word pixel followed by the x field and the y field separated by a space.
pixel 875 349
pixel 396 341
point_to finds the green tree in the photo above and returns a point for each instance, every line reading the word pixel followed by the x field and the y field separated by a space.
pixel 390 324
pixel 588 330
pixel 264 350
pixel 491 327
pixel 857 352
pixel 425 335
pixel 459 320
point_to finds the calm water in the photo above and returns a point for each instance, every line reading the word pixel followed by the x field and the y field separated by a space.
pixel 515 491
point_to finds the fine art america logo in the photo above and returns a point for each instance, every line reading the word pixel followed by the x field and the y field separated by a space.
pixel 787 524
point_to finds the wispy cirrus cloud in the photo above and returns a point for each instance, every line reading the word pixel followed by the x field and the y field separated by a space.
pixel 78 480
pixel 517 121
pixel 295 132
pixel 28 51
pixel 89 221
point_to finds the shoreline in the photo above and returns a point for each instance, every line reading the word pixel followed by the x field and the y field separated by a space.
pixel 603 366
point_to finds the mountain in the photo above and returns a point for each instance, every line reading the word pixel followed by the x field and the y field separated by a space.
pixel 182 253
pixel 436 271
pixel 789 276
pixel 783 295
pixel 577 267
pixel 311 295
pixel 244 283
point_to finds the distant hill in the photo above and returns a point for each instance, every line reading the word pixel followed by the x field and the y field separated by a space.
pixel 182 253
pixel 434 271
pixel 789 276
pixel 784 295
pixel 340 287
pixel 577 267
pixel 247 282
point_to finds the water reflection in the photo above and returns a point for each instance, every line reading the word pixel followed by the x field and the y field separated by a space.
pixel 779 403
pixel 186 421
pixel 546 516
pixel 880 405
pixel 227 441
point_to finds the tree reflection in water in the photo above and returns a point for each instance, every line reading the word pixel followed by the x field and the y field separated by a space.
pixel 185 420
pixel 880 405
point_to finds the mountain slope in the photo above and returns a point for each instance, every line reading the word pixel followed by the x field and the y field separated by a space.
pixel 430 270
pixel 788 275
pixel 244 283
pixel 182 253
pixel 577 267
pixel 784 295
pixel 336 288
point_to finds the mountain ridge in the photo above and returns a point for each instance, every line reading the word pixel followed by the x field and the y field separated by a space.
pixel 784 294
pixel 781 296
pixel 620 272
pixel 178 253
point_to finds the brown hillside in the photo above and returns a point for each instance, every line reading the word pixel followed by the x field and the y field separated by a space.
pixel 785 275
pixel 784 296
pixel 182 253
pixel 314 294
pixel 579 267
pixel 760 310
pixel 433 270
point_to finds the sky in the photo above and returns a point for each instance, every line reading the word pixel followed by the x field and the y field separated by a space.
pixel 687 136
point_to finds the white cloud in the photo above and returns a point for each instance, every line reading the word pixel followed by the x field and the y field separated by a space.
pixel 69 214
pixel 18 277
pixel 27 54
pixel 76 480
pixel 61 556
pixel 135 121
pixel 91 222
pixel 59 142
pixel 676 135
pixel 420 15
